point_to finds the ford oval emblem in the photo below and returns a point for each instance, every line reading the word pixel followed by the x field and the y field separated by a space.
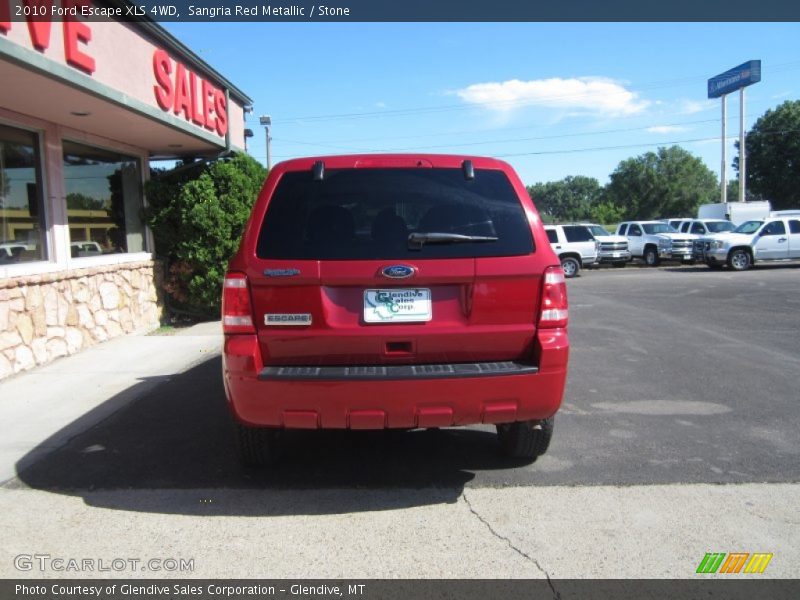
pixel 397 271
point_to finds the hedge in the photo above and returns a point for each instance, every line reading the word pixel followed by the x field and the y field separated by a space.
pixel 197 215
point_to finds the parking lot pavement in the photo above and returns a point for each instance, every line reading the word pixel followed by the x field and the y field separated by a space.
pixel 681 379
pixel 682 374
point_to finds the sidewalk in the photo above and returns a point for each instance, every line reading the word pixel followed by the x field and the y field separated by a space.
pixel 36 405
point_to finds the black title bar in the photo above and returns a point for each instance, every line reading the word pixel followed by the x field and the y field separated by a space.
pixel 733 588
pixel 266 11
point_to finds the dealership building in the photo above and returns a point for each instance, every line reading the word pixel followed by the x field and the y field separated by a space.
pixel 84 108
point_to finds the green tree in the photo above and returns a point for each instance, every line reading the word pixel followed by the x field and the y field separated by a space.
pixel 570 199
pixel 197 216
pixel 5 187
pixel 79 201
pixel 733 192
pixel 606 213
pixel 666 183
pixel 773 156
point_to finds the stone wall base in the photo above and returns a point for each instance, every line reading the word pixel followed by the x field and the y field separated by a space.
pixel 43 317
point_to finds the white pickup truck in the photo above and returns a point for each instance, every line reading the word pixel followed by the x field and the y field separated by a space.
pixel 653 241
pixel 612 249
pixel 751 242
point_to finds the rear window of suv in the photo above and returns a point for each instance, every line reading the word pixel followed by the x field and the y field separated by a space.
pixel 578 233
pixel 369 213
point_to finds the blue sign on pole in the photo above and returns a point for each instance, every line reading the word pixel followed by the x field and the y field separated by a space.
pixel 738 77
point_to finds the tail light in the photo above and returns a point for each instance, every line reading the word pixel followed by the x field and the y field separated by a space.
pixel 554 299
pixel 237 312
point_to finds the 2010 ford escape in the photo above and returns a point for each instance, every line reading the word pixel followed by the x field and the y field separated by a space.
pixel 394 291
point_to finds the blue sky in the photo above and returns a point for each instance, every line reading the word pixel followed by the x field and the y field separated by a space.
pixel 537 94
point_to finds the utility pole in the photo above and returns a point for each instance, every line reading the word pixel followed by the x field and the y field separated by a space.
pixel 266 121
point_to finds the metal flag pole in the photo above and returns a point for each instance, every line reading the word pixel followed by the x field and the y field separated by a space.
pixel 742 149
pixel 723 167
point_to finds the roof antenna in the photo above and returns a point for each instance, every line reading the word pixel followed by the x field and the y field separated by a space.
pixel 319 170
pixel 469 170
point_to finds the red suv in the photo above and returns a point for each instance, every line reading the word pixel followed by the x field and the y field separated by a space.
pixel 394 291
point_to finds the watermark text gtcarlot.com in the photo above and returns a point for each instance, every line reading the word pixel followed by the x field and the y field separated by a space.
pixel 67 564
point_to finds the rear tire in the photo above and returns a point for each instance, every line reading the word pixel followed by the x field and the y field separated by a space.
pixel 571 266
pixel 257 446
pixel 525 439
pixel 651 258
pixel 739 259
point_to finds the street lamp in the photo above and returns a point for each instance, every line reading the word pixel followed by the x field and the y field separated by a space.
pixel 266 121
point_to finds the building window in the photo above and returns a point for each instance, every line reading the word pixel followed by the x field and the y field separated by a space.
pixel 22 228
pixel 104 201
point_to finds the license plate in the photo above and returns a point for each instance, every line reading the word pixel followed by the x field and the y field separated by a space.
pixel 397 305
pixel 687 256
pixel 616 255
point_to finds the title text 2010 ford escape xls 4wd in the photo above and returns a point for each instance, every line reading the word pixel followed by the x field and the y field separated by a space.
pixel 394 291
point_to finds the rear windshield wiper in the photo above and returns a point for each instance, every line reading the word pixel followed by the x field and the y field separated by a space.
pixel 417 240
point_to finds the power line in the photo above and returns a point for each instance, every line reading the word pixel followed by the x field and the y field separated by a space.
pixel 627 146
pixel 620 147
pixel 507 103
pixel 346 143
pixel 550 137
pixel 504 141
pixel 509 140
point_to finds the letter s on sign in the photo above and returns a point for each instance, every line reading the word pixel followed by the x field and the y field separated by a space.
pixel 162 68
pixel 209 93
pixel 221 108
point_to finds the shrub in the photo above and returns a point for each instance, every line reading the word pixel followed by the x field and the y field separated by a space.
pixel 197 216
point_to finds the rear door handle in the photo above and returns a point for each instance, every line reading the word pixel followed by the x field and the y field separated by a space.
pixel 781 239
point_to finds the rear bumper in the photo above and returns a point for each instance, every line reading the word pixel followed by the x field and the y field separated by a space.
pixel 260 397
pixel 397 372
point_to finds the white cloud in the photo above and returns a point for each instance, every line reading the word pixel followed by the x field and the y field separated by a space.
pixel 586 94
pixel 691 107
pixel 380 104
pixel 666 129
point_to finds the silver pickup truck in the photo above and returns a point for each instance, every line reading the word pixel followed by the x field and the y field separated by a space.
pixel 753 241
